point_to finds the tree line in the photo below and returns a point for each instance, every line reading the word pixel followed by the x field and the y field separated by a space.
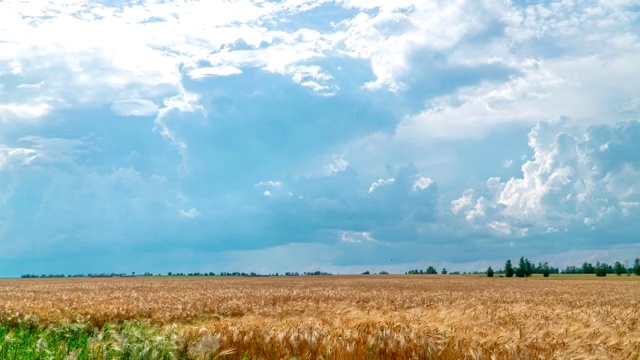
pixel 170 273
pixel 525 269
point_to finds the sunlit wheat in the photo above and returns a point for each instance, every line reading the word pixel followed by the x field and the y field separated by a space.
pixel 347 317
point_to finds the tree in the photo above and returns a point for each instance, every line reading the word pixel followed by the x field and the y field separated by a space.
pixel 444 271
pixel 508 269
pixel 601 270
pixel 431 270
pixel 636 266
pixel 489 272
pixel 524 268
pixel 587 268
pixel 528 268
pixel 619 269
pixel 545 270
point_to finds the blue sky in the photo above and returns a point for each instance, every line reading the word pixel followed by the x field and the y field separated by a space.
pixel 300 135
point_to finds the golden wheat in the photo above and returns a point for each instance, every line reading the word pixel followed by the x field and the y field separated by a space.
pixel 342 317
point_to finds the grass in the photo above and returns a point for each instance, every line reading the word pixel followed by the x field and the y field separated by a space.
pixel 339 317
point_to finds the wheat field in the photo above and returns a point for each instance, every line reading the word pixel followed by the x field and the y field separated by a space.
pixel 347 317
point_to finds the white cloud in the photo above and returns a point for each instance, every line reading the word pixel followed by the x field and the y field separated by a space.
pixel 11 111
pixel 134 107
pixel 337 165
pixel 191 213
pixel 204 72
pixel 355 237
pixel 184 102
pixel 463 203
pixel 313 77
pixel 572 180
pixel 31 86
pixel 390 36
pixel 269 183
pixel 379 183
pixel 273 188
pixel 91 53
pixel 20 156
pixel 422 182
pixel 588 81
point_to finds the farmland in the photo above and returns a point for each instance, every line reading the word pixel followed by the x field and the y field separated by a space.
pixel 341 317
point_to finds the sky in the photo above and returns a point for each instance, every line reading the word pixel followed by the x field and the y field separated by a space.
pixel 303 135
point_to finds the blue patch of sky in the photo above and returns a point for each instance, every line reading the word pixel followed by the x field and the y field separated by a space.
pixel 321 18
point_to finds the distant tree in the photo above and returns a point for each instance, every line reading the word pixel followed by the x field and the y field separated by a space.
pixel 444 271
pixel 523 269
pixel 366 272
pixel 489 272
pixel 636 266
pixel 587 268
pixel 431 270
pixel 619 269
pixel 508 269
pixel 528 268
pixel 601 270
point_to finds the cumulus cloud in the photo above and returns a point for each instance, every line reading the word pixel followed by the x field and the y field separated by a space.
pixel 134 107
pixel 422 182
pixel 579 180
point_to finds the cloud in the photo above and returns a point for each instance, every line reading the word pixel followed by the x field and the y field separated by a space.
pixel 379 183
pixel 421 183
pixel 578 181
pixel 268 183
pixel 191 213
pixel 355 237
pixel 31 86
pixel 205 72
pixel 134 107
pixel 20 156
pixel 339 164
pixel 183 102
pixel 23 111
